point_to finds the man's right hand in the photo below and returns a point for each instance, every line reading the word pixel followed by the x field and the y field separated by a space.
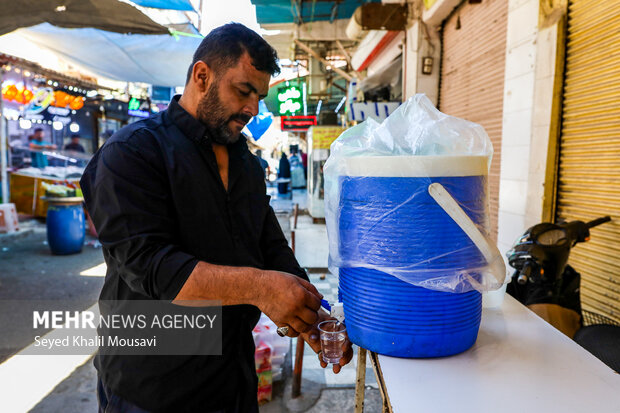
pixel 288 301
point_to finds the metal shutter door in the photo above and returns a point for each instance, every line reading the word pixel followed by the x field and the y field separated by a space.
pixel 589 163
pixel 472 76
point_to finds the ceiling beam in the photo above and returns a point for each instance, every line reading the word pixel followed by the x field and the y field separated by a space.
pixel 308 50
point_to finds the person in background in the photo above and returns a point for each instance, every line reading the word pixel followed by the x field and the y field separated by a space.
pixel 263 163
pixel 75 145
pixel 284 171
pixel 298 179
pixel 304 162
pixel 294 160
pixel 38 142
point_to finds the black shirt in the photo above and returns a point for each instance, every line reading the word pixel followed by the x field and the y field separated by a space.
pixel 159 206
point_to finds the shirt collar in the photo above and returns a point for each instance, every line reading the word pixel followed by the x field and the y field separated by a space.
pixel 189 125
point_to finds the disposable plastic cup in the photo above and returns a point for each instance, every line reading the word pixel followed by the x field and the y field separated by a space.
pixel 333 335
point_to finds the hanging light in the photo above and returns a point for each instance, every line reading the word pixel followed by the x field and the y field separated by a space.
pixel 74 127
pixel 57 125
pixel 25 123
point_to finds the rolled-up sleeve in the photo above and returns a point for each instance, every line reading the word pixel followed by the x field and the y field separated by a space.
pixel 128 198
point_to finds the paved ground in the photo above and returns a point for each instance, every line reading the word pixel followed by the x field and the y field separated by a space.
pixel 28 271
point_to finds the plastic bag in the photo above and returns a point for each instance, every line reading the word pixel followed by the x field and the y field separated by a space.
pixel 409 197
pixel 265 333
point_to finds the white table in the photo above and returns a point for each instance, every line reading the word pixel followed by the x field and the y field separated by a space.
pixel 519 363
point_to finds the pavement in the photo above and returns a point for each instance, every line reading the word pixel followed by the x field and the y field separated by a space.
pixel 28 271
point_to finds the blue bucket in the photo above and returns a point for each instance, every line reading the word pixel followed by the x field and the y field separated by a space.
pixel 65 228
pixel 387 219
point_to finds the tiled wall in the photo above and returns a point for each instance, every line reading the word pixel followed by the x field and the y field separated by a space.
pixel 517 123
pixel 528 100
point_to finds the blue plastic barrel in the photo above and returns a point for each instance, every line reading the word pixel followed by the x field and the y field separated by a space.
pixel 392 222
pixel 65 228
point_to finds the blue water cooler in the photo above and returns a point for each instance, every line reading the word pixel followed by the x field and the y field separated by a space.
pixel 387 223
pixel 65 225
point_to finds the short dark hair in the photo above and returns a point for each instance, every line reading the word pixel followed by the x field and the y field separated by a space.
pixel 223 46
pixel 38 130
pixel 75 135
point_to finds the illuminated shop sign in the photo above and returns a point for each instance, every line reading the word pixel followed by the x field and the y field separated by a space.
pixel 297 123
pixel 289 100
pixel 39 99
pixel 139 108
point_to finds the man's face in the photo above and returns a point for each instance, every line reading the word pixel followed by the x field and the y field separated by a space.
pixel 75 140
pixel 39 135
pixel 231 100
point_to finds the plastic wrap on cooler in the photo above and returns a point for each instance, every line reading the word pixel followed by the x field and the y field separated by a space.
pixel 409 198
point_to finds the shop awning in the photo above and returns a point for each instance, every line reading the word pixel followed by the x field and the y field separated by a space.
pixel 156 59
pixel 183 5
pixel 287 11
pixel 109 15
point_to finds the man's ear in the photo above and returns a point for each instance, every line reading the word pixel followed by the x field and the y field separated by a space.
pixel 201 75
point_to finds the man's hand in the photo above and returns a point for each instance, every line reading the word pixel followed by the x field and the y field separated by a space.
pixel 289 301
pixel 312 338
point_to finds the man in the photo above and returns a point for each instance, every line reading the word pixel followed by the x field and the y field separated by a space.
pixel 284 173
pixel 180 207
pixel 38 143
pixel 75 145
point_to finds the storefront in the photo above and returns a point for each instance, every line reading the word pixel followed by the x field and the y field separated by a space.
pixel 472 75
pixel 43 111
pixel 38 100
pixel 589 159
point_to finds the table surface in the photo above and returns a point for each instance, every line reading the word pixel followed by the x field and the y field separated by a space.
pixel 519 363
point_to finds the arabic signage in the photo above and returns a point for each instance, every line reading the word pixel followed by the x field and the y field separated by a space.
pixel 289 100
pixel 41 98
pixel 323 136
pixel 297 123
pixel 379 111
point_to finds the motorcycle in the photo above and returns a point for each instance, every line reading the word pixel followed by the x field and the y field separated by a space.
pixel 544 282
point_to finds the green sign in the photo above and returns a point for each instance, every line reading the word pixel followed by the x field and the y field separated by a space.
pixel 134 104
pixel 290 100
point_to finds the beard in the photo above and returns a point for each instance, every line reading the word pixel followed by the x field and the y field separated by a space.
pixel 213 115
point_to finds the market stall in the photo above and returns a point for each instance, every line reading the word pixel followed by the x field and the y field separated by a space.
pixel 49 130
pixel 27 187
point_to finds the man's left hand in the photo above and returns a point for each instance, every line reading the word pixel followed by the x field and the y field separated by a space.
pixel 313 339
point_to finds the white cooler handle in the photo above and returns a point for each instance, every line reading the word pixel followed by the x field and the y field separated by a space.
pixel 448 203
